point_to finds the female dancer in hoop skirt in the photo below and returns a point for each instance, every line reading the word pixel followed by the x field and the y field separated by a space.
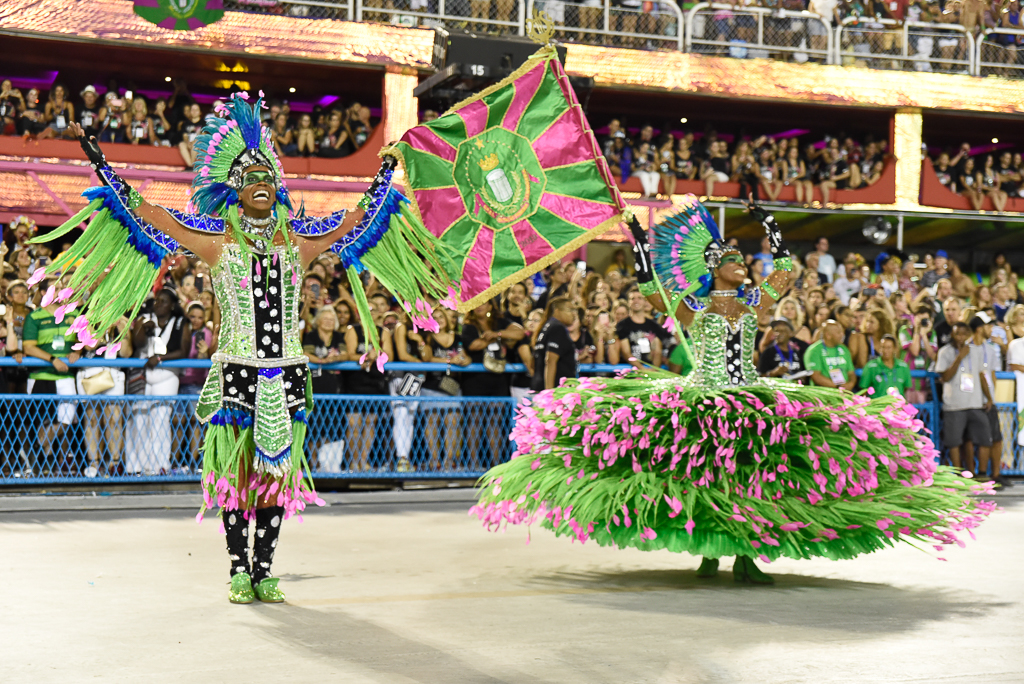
pixel 722 462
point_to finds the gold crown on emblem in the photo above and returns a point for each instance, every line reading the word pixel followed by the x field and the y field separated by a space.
pixel 488 162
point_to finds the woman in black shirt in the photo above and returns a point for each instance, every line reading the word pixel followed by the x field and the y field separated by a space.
pixel 334 142
pixel 485 333
pixel 112 118
pixel 358 125
pixel 140 127
pixel 59 113
pixel 443 347
pixel 32 120
pixel 362 417
pixel 554 353
pixel 162 129
pixel 188 129
pixel 11 102
pixel 516 303
pixel 581 338
pixel 324 343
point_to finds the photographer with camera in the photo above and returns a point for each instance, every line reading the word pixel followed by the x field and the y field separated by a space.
pixel 11 102
pixel 357 124
pixel 112 118
pixel 920 346
pixel 312 300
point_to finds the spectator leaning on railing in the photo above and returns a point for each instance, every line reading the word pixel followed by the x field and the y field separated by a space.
pixel 554 354
pixel 46 339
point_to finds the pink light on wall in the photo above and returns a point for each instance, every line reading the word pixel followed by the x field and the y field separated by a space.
pixel 43 82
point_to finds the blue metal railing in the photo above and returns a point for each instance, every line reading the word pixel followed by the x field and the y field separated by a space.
pixel 157 438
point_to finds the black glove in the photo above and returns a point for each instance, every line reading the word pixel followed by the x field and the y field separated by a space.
pixel 771 228
pixel 383 176
pixel 641 253
pixel 387 166
pixel 92 151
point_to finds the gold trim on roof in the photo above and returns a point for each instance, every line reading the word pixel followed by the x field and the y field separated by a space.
pixel 238 33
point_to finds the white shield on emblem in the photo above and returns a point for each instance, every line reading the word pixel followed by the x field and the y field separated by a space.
pixel 500 186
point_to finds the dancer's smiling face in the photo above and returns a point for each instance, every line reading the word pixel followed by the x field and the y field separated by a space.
pixel 731 272
pixel 258 189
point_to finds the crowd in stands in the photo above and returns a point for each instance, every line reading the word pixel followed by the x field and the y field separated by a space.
pixel 885 318
pixel 994 173
pixel 874 27
pixel 762 166
pixel 896 315
pixel 117 115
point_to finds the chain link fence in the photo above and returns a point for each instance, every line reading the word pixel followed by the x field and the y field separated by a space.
pixel 340 10
pixel 627 23
pixel 53 438
pixel 908 46
pixel 1000 52
pixel 758 32
pixel 498 17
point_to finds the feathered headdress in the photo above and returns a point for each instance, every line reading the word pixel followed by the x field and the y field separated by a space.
pixel 228 145
pixel 687 248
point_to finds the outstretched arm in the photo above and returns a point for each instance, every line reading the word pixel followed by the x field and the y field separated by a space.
pixel 645 276
pixel 152 219
pixel 318 234
pixel 777 282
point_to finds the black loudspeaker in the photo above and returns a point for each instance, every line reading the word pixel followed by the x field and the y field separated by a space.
pixel 467 63
pixel 490 57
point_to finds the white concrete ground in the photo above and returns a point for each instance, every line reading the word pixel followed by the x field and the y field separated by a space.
pixel 409 590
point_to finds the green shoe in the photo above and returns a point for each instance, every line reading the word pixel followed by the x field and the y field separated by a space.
pixel 268 592
pixel 241 588
pixel 744 571
pixel 708 568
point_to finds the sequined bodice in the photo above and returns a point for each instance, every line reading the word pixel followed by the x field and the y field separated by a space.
pixel 723 355
pixel 259 304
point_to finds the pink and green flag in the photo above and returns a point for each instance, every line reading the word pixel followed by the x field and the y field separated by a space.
pixel 180 15
pixel 510 180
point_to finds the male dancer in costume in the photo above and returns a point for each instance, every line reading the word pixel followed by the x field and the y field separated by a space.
pixel 257 395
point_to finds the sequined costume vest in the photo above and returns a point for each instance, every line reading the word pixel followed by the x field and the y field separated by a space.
pixel 259 373
pixel 723 355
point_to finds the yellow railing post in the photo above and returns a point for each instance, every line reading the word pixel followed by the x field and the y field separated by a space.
pixel 907 149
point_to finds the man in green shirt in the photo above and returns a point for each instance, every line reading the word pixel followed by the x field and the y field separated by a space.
pixel 44 338
pixel 829 360
pixel 886 371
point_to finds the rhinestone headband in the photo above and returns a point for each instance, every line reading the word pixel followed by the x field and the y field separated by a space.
pixel 244 161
